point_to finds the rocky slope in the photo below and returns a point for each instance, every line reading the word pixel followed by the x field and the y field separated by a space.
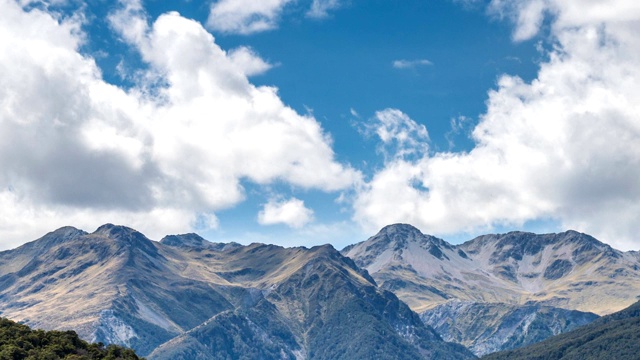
pixel 568 270
pixel 487 328
pixel 186 298
pixel 616 336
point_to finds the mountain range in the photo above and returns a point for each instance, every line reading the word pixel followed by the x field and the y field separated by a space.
pixel 569 270
pixel 503 291
pixel 400 294
pixel 186 298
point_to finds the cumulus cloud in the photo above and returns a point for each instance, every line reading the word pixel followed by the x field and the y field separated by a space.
pixel 290 212
pixel 565 146
pixel 245 16
pixel 410 64
pixel 71 143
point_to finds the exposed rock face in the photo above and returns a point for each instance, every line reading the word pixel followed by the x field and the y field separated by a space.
pixel 568 270
pixel 615 336
pixel 186 298
pixel 487 328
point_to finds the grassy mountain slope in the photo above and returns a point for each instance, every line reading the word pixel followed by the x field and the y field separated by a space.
pixel 112 286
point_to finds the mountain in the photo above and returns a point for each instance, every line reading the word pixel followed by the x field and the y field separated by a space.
pixel 487 328
pixel 567 270
pixel 187 298
pixel 113 286
pixel 615 336
pixel 529 286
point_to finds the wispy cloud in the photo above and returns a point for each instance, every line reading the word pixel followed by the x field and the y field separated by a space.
pixel 320 8
pixel 245 16
pixel 400 136
pixel 409 64
pixel 250 16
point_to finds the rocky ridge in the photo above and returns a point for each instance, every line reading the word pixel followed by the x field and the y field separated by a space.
pixel 568 270
pixel 615 336
pixel 486 328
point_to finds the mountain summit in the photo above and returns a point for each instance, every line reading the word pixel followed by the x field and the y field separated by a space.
pixel 392 242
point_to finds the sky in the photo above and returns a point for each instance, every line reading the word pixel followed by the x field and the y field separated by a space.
pixel 305 122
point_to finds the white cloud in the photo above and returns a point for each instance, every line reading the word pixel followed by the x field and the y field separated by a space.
pixel 248 61
pixel 245 16
pixel 24 220
pixel 320 8
pixel 527 15
pixel 459 125
pixel 290 212
pixel 565 146
pixel 72 144
pixel 399 135
pixel 409 64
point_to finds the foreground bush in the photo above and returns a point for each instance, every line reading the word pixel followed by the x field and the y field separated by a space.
pixel 19 342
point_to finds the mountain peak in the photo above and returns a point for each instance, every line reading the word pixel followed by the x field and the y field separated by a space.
pixel 59 236
pixel 400 229
pixel 190 239
pixel 118 232
pixel 395 242
pixel 125 236
pixel 401 235
pixel 65 233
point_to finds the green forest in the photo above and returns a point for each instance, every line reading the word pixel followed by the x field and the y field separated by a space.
pixel 19 342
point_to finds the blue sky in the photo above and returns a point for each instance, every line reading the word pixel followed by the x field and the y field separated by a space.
pixel 301 122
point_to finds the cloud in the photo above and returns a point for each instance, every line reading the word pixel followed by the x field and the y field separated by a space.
pixel 399 135
pixel 245 16
pixel 320 8
pixel 172 150
pixel 527 15
pixel 459 125
pixel 565 146
pixel 410 64
pixel 290 212
pixel 248 61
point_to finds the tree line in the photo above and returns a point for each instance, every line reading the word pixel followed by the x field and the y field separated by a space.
pixel 18 342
